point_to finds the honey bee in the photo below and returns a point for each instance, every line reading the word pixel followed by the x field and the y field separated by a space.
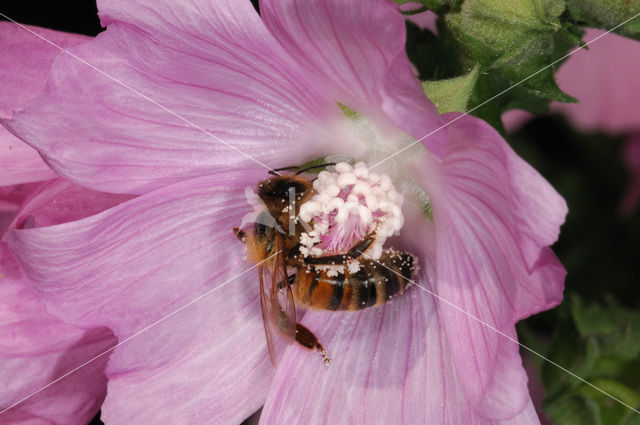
pixel 274 243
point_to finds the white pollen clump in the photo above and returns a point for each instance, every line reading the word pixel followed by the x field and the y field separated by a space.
pixel 350 203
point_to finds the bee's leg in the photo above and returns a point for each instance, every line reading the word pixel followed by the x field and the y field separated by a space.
pixel 355 252
pixel 307 339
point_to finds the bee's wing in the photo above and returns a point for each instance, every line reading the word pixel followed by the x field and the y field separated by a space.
pixel 278 307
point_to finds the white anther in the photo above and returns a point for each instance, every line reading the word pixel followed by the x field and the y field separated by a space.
pixel 332 190
pixel 323 176
pixel 385 182
pixel 343 167
pixel 351 207
pixel 361 188
pixel 334 204
pixel 342 216
pixel 347 179
pixel 309 209
pixel 372 202
pixel 365 214
pixel 315 251
pixel 360 170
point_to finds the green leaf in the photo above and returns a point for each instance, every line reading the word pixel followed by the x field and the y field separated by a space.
pixel 612 412
pixel 573 409
pixel 631 418
pixel 607 14
pixel 616 389
pixel 452 95
pixel 514 42
pixel 615 328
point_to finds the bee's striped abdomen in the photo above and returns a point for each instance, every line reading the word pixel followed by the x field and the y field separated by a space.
pixel 375 283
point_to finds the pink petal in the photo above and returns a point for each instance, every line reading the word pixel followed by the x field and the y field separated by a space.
pixel 16 194
pixel 37 348
pixel 515 118
pixel 405 102
pixel 139 262
pixel 59 201
pixel 391 365
pixel 355 53
pixel 218 374
pixel 26 60
pixel 8 211
pixel 345 46
pixel 423 20
pixel 212 63
pixel 605 80
pixel 19 162
pixel 11 198
pixel 24 64
pixel 494 217
pixel 180 228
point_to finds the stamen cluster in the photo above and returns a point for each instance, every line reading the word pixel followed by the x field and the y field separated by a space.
pixel 350 203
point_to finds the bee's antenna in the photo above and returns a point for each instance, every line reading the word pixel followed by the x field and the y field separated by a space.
pixel 328 164
pixel 274 171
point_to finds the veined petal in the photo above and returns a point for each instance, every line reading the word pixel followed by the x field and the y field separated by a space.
pixel 118 259
pixel 37 348
pixel 213 64
pixel 351 49
pixel 24 65
pixel 219 374
pixel 494 218
pixel 345 46
pixel 19 162
pixel 166 273
pixel 26 60
pixel 59 201
pixel 391 365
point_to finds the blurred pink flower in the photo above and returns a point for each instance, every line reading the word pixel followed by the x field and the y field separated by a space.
pixel 36 347
pixel 605 81
pixel 24 65
pixel 269 88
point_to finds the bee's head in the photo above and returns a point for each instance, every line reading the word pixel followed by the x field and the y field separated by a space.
pixel 281 189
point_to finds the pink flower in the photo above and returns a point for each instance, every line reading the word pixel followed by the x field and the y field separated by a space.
pixel 248 92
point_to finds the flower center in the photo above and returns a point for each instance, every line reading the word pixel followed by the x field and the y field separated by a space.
pixel 350 203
